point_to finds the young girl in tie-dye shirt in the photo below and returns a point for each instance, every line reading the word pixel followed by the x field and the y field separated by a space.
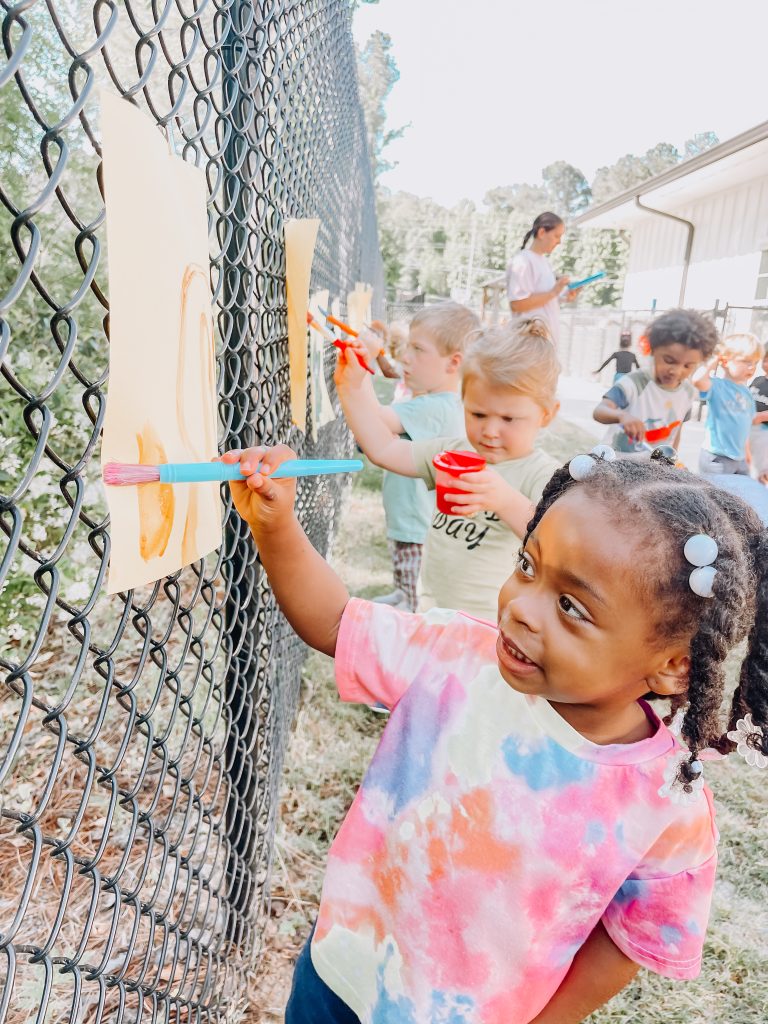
pixel 529 831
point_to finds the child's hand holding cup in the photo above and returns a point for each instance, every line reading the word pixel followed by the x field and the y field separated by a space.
pixel 451 470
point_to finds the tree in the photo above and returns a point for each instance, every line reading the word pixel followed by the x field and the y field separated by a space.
pixel 377 73
pixel 413 233
pixel 610 181
pixel 567 189
pixel 426 246
pixel 699 143
pixel 663 156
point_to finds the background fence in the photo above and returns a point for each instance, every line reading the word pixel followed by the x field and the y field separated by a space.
pixel 589 335
pixel 141 735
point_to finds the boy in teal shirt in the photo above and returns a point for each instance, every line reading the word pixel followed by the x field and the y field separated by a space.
pixel 432 371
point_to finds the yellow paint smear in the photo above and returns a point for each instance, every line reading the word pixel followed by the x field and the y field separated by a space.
pixel 156 500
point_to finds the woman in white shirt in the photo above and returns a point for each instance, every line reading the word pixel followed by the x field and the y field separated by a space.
pixel 532 288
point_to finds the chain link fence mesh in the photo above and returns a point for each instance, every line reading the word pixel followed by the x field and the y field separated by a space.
pixel 141 736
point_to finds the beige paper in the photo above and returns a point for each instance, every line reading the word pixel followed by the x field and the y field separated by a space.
pixel 359 306
pixel 162 383
pixel 300 237
pixel 320 404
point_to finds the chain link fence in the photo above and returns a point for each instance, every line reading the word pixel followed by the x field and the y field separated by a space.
pixel 141 736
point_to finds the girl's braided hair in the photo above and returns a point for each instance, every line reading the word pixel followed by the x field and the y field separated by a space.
pixel 662 507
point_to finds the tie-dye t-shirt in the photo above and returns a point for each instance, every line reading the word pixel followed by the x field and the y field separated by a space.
pixel 489 838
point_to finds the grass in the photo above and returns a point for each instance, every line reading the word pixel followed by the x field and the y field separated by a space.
pixel 332 744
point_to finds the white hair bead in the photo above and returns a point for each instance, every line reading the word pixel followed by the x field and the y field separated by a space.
pixel 701 580
pixel 605 452
pixel 581 466
pixel 700 549
pixel 695 767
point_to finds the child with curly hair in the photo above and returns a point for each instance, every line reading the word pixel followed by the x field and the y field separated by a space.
pixel 659 400
pixel 530 832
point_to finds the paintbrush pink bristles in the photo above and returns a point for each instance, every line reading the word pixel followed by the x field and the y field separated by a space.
pixel 120 474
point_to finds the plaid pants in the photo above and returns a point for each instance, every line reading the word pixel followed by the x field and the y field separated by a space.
pixel 406 564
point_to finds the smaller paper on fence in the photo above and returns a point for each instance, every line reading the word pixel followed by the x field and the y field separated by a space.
pixel 321 406
pixel 359 306
pixel 300 238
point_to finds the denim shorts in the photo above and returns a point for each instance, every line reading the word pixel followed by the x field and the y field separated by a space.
pixel 311 1001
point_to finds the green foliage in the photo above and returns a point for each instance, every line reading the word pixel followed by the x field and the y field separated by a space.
pixel 42 339
pixel 414 235
pixel 377 73
pixel 699 143
pixel 568 190
pixel 426 246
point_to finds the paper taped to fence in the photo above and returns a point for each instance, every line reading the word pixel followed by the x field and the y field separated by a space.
pixel 320 404
pixel 300 238
pixel 161 405
pixel 359 306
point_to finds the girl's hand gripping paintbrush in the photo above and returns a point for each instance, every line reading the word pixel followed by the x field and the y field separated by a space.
pixel 264 503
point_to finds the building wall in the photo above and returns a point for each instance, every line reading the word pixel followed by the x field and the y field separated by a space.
pixel 731 233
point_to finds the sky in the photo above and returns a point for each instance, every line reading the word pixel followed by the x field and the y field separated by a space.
pixel 494 90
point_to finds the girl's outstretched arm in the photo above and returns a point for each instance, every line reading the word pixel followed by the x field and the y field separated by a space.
pixel 310 594
pixel 374 427
pixel 599 970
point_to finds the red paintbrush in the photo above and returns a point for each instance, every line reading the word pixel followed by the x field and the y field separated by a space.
pixel 342 346
pixel 338 343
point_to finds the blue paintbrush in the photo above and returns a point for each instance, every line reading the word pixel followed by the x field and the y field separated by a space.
pixel 120 474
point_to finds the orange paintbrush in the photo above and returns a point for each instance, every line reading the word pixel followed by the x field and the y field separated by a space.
pixel 319 328
pixel 338 323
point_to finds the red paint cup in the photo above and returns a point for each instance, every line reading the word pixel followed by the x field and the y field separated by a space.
pixel 450 466
pixel 661 433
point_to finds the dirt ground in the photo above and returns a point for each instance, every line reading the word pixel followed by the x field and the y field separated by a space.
pixel 330 749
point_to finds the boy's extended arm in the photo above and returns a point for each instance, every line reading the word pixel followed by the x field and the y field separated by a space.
pixel 310 594
pixel 363 413
pixel 702 378
pixel 607 412
pixel 599 970
pixel 610 359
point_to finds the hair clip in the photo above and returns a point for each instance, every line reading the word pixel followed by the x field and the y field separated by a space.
pixel 581 466
pixel 665 453
pixel 701 551
pixel 673 788
pixel 746 736
pixel 604 452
